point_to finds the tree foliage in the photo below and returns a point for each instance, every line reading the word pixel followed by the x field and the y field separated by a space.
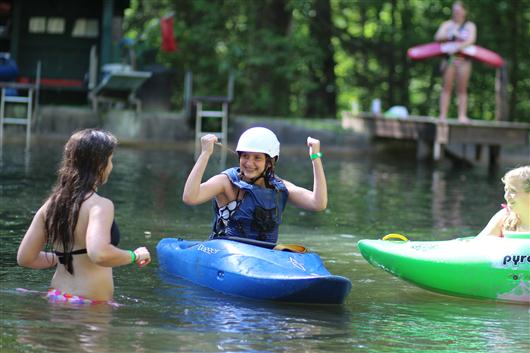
pixel 312 58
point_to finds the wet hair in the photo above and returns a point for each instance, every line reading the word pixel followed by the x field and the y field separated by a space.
pixel 523 174
pixel 85 158
pixel 269 170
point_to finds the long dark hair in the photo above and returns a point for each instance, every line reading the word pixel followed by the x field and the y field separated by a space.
pixel 269 171
pixel 85 158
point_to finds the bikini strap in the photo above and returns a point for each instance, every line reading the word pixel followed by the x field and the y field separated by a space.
pixel 62 256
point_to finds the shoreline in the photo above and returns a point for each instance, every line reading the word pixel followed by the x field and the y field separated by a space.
pixel 172 130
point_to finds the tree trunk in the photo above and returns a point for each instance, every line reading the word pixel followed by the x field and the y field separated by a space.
pixel 321 101
pixel 514 76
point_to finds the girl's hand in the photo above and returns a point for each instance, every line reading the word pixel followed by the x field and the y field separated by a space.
pixel 313 144
pixel 143 258
pixel 207 142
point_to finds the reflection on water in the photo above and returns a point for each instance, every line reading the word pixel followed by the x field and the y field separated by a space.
pixel 368 197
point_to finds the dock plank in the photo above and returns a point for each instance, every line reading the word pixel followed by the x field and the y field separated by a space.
pixel 436 133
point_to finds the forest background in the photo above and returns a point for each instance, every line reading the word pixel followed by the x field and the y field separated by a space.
pixel 314 58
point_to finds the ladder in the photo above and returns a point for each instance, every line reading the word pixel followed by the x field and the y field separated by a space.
pixel 30 99
pixel 222 113
pixel 18 99
pixel 201 114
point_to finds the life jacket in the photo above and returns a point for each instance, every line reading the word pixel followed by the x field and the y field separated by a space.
pixel 258 215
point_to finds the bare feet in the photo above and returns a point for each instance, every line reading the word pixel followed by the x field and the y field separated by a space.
pixel 464 120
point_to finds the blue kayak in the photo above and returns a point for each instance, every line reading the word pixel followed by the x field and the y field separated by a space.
pixel 252 271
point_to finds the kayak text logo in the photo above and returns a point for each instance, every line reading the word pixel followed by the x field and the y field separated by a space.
pixel 207 250
pixel 516 259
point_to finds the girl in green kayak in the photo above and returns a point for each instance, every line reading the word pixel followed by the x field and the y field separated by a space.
pixel 515 215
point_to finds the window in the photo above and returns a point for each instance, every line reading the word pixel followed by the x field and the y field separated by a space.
pixel 55 25
pixel 52 25
pixel 85 27
pixel 37 25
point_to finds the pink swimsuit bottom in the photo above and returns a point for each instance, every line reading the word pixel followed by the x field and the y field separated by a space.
pixel 56 296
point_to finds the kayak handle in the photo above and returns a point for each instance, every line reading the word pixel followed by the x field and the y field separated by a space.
pixel 395 236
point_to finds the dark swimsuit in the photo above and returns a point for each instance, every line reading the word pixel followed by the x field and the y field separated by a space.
pixel 114 240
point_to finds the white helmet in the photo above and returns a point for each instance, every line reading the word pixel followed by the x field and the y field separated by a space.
pixel 259 139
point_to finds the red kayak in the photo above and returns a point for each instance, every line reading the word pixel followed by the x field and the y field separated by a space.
pixel 475 52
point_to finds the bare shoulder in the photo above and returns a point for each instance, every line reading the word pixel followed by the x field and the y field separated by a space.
pixel 502 213
pixel 43 209
pixel 470 25
pixel 445 24
pixel 97 203
pixel 220 178
pixel 40 215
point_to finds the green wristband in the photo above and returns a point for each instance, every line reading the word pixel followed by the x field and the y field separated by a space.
pixel 316 155
pixel 133 256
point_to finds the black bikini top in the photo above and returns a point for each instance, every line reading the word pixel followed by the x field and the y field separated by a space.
pixel 66 258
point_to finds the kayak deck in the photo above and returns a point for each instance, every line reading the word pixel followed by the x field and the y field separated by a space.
pixel 493 268
pixel 251 271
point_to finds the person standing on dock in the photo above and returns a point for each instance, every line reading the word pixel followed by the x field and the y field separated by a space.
pixel 249 199
pixel 461 33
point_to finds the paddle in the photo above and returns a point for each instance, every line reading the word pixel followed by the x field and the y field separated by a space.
pixel 268 245
pixel 225 148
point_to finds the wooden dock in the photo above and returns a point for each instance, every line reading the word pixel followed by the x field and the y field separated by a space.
pixel 433 137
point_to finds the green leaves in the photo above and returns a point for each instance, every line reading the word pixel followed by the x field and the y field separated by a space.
pixel 313 57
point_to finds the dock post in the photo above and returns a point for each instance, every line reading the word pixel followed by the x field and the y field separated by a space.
pixel 495 152
pixel 423 149
pixel 437 151
pixel 441 137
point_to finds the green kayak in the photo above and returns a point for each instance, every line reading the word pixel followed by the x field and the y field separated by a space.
pixel 486 267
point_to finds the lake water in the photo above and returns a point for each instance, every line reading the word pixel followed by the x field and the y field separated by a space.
pixel 370 195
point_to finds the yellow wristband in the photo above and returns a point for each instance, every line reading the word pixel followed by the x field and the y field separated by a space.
pixel 316 155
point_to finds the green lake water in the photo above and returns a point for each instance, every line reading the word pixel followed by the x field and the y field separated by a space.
pixel 370 195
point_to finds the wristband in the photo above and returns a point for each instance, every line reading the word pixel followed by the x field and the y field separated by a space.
pixel 316 155
pixel 133 256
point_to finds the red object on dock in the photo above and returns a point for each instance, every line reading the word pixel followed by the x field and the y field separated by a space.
pixel 475 52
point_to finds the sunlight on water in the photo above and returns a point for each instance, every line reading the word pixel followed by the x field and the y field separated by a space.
pixel 368 197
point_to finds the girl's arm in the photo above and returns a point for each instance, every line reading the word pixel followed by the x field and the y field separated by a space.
pixel 494 226
pixel 442 34
pixel 471 38
pixel 196 192
pixel 99 249
pixel 30 253
pixel 317 199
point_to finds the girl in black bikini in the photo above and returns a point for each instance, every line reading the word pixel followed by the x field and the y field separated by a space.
pixel 78 225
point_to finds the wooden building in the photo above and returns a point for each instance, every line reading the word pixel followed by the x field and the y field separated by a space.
pixel 72 39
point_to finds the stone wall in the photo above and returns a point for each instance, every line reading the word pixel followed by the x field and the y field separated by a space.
pixel 173 127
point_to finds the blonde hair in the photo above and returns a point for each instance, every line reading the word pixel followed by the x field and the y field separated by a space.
pixel 523 174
